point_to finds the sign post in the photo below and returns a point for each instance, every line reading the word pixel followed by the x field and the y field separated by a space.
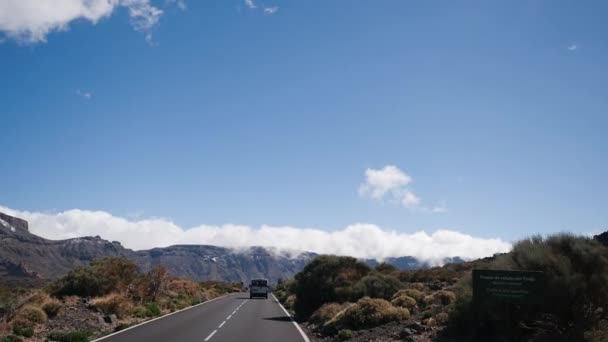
pixel 520 287
pixel 507 291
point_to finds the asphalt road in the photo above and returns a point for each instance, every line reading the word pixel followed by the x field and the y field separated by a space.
pixel 227 319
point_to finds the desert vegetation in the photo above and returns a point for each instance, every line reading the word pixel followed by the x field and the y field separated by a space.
pixel 107 295
pixel 340 298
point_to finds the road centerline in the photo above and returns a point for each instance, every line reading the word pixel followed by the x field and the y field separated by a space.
pixel 210 335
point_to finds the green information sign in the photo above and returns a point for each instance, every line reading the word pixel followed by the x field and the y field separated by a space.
pixel 522 287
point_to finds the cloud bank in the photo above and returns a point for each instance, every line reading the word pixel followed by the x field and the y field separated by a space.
pixel 357 240
pixel 30 21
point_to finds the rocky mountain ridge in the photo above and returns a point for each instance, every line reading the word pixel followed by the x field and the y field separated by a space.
pixel 30 259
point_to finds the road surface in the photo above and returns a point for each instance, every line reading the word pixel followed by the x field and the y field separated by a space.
pixel 231 318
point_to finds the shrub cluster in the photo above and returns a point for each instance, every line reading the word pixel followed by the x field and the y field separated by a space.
pixel 576 272
pixel 101 277
pixel 51 308
pixel 327 312
pixel 114 303
pixel 70 336
pixel 327 279
pixel 368 313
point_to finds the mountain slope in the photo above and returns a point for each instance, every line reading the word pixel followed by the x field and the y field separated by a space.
pixel 26 258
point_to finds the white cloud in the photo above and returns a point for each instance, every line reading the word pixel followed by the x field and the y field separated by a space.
pixel 379 183
pixel 84 94
pixel 573 47
pixel 409 199
pixel 271 10
pixel 358 240
pixel 250 4
pixel 391 184
pixel 30 21
pixel 181 4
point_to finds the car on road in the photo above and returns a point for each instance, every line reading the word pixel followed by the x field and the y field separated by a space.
pixel 259 288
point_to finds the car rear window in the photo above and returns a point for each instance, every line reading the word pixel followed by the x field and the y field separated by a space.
pixel 259 283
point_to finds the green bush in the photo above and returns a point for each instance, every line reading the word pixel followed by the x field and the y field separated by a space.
pixel 377 285
pixel 80 281
pixel 101 277
pixel 576 273
pixel 386 268
pixel 345 334
pixel 25 331
pixel 72 336
pixel 11 338
pixel 9 297
pixel 326 279
pixel 152 310
pixel 368 313
pixel 51 308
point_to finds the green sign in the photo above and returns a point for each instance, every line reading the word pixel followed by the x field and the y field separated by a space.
pixel 523 287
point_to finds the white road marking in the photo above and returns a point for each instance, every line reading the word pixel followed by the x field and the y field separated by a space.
pixel 221 325
pixel 292 321
pixel 228 317
pixel 211 335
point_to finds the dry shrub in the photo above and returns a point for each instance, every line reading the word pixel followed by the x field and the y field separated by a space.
pixel 212 293
pixel 369 313
pixel 417 295
pixel 114 303
pixel 290 301
pixel 327 312
pixel 327 279
pixel 429 322
pixel 184 286
pixel 444 297
pixel 416 286
pixel 442 317
pixel 52 307
pixel 38 298
pixel 71 300
pixel 404 301
pixel 32 314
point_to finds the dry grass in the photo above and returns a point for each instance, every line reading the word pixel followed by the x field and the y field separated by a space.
pixel 327 312
pixel 417 295
pixel 184 286
pixel 404 301
pixel 441 297
pixel 71 300
pixel 32 314
pixel 114 303
pixel 416 286
pixel 38 298
pixel 369 313
pixel 290 301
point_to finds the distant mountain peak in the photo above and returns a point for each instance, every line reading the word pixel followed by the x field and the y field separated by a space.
pixel 13 224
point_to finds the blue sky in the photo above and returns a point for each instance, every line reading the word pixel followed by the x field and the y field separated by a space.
pixel 220 113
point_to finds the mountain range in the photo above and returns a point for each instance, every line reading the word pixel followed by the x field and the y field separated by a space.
pixel 26 258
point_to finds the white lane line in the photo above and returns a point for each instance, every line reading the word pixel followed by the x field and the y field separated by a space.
pixel 221 325
pixel 229 316
pixel 234 312
pixel 157 318
pixel 211 335
pixel 292 320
